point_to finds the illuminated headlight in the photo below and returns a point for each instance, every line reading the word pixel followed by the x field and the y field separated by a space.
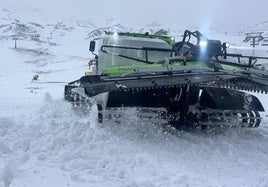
pixel 115 34
pixel 203 43
pixel 226 45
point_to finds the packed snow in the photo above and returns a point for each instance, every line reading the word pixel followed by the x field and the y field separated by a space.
pixel 44 142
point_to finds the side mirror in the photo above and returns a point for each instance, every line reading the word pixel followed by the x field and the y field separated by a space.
pixel 92 46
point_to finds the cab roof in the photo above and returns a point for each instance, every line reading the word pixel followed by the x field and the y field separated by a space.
pixel 167 39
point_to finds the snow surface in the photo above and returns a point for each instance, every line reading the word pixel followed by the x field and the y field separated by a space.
pixel 43 142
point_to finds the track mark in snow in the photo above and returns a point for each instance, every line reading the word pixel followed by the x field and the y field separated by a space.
pixel 49 71
pixel 131 152
pixel 10 171
pixel 34 52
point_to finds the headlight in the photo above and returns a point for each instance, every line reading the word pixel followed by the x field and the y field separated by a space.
pixel 115 34
pixel 226 45
pixel 203 43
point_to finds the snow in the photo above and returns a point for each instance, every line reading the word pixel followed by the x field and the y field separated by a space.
pixel 50 145
pixel 44 142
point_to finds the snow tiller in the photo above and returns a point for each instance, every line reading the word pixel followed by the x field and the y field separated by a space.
pixel 193 82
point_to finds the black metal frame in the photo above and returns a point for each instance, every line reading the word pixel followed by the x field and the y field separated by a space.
pixel 252 60
pixel 196 34
pixel 146 49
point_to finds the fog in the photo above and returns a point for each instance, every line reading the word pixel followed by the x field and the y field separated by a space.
pixel 223 15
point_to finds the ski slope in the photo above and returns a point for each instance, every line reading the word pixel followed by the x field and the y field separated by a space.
pixel 43 142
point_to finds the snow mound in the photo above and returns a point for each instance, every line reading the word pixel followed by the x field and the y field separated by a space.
pixel 127 154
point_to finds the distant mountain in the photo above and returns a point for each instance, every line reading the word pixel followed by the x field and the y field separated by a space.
pixel 34 27
pixel 259 27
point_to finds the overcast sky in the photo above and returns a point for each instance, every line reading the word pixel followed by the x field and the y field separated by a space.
pixel 223 15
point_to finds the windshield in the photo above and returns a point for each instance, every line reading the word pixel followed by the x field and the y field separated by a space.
pixel 112 59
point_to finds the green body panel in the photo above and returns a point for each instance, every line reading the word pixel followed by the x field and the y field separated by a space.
pixel 231 67
pixel 192 63
pixel 130 69
pixel 118 70
pixel 127 69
